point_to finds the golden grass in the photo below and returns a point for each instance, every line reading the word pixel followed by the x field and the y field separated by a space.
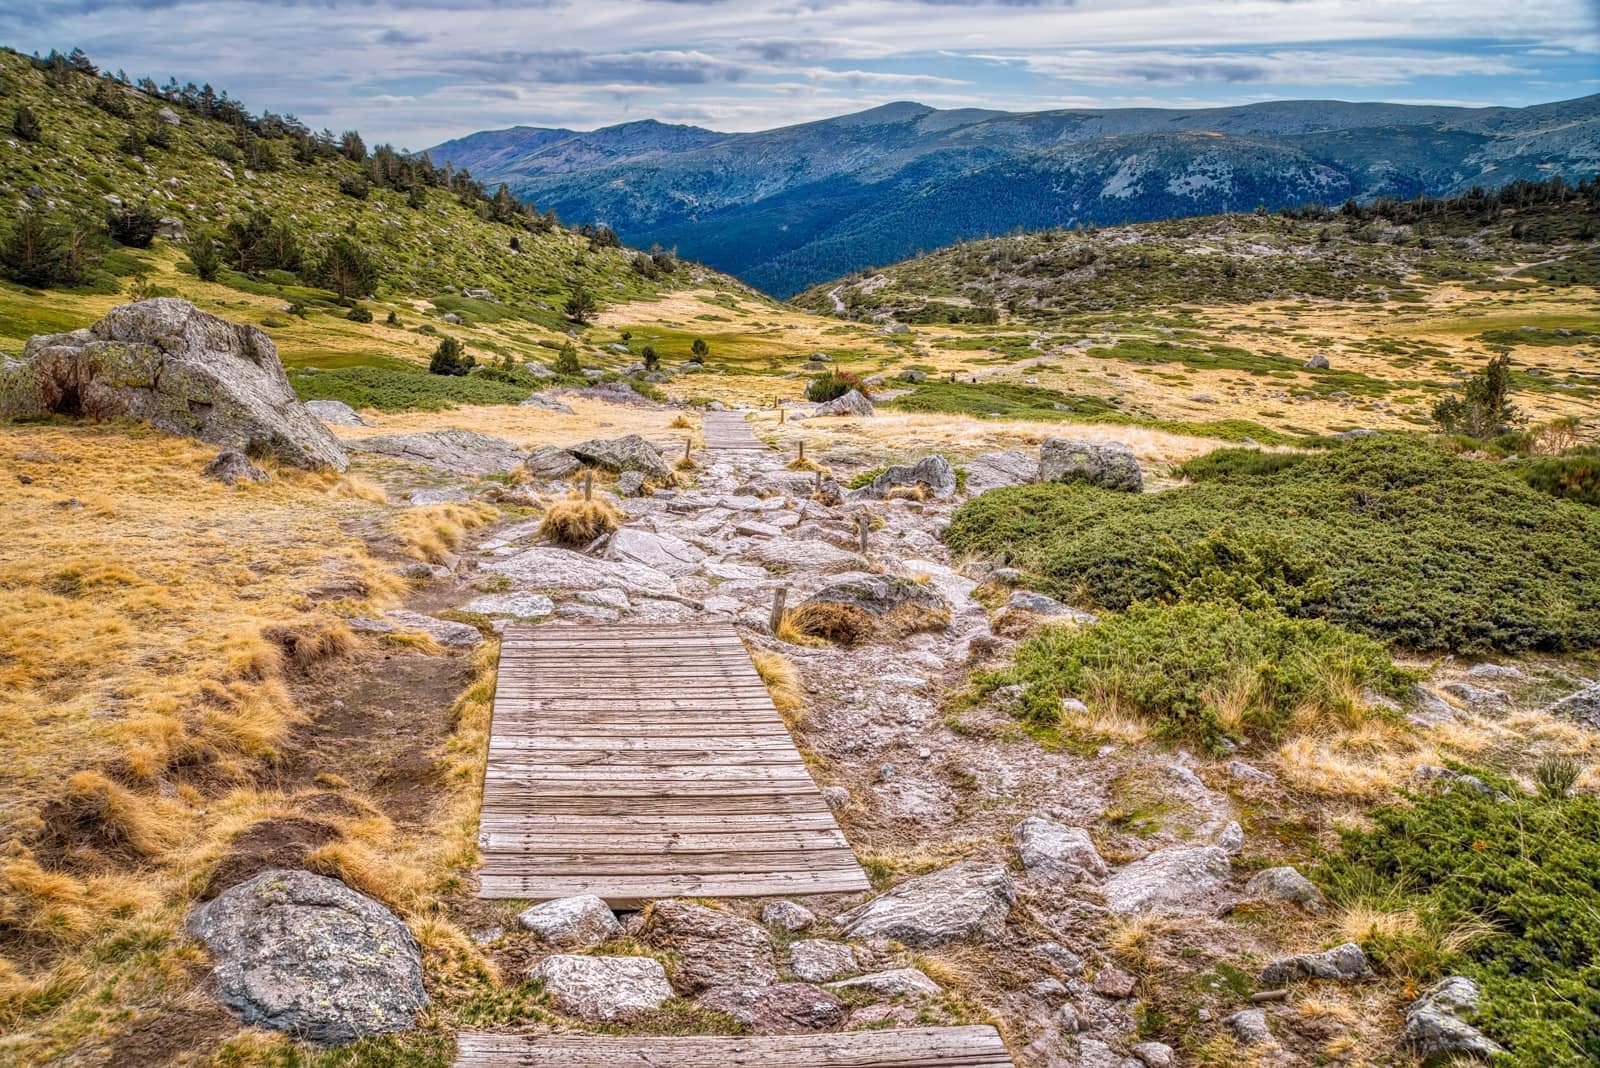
pixel 432 532
pixel 783 684
pixel 529 427
pixel 791 630
pixel 575 521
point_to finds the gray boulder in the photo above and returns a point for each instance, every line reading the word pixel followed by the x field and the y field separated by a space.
pixel 444 631
pixel 852 403
pixel 932 472
pixel 547 461
pixel 665 553
pixel 335 413
pixel 631 484
pixel 1109 465
pixel 461 452
pixel 549 404
pixel 1582 707
pixel 969 900
pixel 308 956
pixel 787 916
pixel 544 568
pixel 878 595
pixel 816 960
pixel 1176 879
pixel 572 922
pixel 602 988
pixel 1345 963
pixel 995 470
pixel 1435 1028
pixel 714 948
pixel 1041 605
pixel 231 467
pixel 781 1009
pixel 1055 854
pixel 166 363
pixel 1318 362
pixel 1286 884
pixel 630 453
pixel 1249 1026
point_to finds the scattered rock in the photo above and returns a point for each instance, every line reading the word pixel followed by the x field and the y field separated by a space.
pixel 1249 1026
pixel 462 452
pixel 816 960
pixel 1055 854
pixel 438 495
pixel 445 632
pixel 1231 838
pixel 630 484
pixel 524 607
pixel 1059 957
pixel 547 461
pixel 1249 773
pixel 995 470
pixel 1494 671
pixel 1154 1054
pixel 1345 963
pixel 804 554
pixel 869 604
pixel 1109 465
pixel 1582 707
pixel 1176 879
pixel 1478 698
pixel 308 956
pixel 714 948
pixel 1039 604
pixel 546 568
pixel 166 363
pixel 932 472
pixel 549 404
pixel 1318 362
pixel 572 922
pixel 231 467
pixel 852 403
pixel 837 798
pixel 629 453
pixel 965 900
pixel 1113 982
pixel 1435 1027
pixel 602 988
pixel 897 983
pixel 1286 884
pixel 335 413
pixel 783 1009
pixel 787 916
pixel 170 117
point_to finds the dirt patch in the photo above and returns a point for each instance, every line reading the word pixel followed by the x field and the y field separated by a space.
pixel 172 1036
pixel 267 845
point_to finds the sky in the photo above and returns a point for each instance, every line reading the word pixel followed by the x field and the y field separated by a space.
pixel 417 72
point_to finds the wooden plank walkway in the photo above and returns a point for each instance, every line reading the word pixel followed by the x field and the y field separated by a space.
pixel 729 431
pixel 919 1047
pixel 640 761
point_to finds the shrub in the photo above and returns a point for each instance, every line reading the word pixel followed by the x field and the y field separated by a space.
pixel 133 226
pixel 394 386
pixel 575 521
pixel 1417 546
pixel 355 185
pixel 1202 670
pixel 40 253
pixel 1483 408
pixel 1573 478
pixel 700 349
pixel 449 359
pixel 347 268
pixel 1238 465
pixel 1009 400
pixel 566 362
pixel 832 385
pixel 651 360
pixel 358 314
pixel 1524 872
pixel 25 124
pixel 203 256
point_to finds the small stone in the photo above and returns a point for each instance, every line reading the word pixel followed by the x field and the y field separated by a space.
pixel 1113 982
pixel 1055 854
pixel 232 467
pixel 1286 884
pixel 817 960
pixel 445 632
pixel 1231 838
pixel 714 948
pixel 837 798
pixel 899 982
pixel 1343 963
pixel 1067 1020
pixel 1059 957
pixel 603 988
pixel 572 922
pixel 966 900
pixel 1434 1024
pixel 1154 1054
pixel 1249 773
pixel 630 483
pixel 1049 989
pixel 781 1009
pixel 787 915
pixel 1249 1026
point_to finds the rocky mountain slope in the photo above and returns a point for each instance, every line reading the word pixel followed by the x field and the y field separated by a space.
pixel 789 207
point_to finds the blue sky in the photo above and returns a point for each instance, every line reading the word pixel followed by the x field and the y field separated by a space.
pixel 416 72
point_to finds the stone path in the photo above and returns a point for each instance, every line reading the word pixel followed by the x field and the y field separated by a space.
pixel 635 762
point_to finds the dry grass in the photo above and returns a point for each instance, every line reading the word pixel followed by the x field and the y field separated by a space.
pixel 528 427
pixel 432 532
pixel 575 521
pixel 783 683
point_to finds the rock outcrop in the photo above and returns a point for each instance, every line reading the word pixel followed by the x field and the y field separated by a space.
pixel 1344 963
pixel 169 364
pixel 461 452
pixel 1109 465
pixel 308 956
pixel 714 948
pixel 1054 854
pixel 933 474
pixel 1435 1028
pixel 629 453
pixel 965 900
pixel 1176 879
pixel 852 403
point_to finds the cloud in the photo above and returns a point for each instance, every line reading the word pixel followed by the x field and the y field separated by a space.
pixel 575 67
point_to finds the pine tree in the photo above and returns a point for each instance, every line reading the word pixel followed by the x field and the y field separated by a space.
pixel 567 361
pixel 449 359
pixel 700 349
pixel 580 306
pixel 203 256
pixel 25 124
pixel 347 268
pixel 352 147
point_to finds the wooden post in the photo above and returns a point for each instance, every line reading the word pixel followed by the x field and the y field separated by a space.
pixel 818 489
pixel 779 596
pixel 687 442
pixel 802 448
pixel 781 413
pixel 588 485
pixel 863 526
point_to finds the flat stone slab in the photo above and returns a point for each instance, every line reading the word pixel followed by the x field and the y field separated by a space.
pixel 910 1047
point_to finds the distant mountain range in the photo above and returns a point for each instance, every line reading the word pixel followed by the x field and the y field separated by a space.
pixel 790 207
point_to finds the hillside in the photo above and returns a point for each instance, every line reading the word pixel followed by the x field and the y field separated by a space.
pixel 787 208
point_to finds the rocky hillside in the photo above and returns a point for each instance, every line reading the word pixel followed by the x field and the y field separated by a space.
pixel 786 208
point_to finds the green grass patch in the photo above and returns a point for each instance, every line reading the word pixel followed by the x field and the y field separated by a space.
pixel 1000 400
pixel 403 387
pixel 1417 546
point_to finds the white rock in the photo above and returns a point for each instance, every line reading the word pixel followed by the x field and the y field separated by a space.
pixel 603 988
pixel 1055 854
pixel 545 568
pixel 817 960
pixel 900 982
pixel 1176 879
pixel 663 552
pixel 520 606
pixel 443 631
pixel 572 922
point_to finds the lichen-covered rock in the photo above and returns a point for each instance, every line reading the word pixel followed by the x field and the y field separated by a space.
pixel 787 916
pixel 1286 884
pixel 518 606
pixel 547 461
pixel 1435 1028
pixel 862 604
pixel 995 470
pixel 1109 465
pixel 183 371
pixel 852 403
pixel 603 988
pixel 969 900
pixel 781 1009
pixel 1249 1026
pixel 463 452
pixel 816 960
pixel 1176 879
pixel 714 948
pixel 896 983
pixel 933 473
pixel 1055 854
pixel 444 631
pixel 1582 707
pixel 572 922
pixel 629 453
pixel 1344 963
pixel 308 956
pixel 335 413
pixel 232 467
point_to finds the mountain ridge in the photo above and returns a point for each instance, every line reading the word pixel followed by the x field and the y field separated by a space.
pixel 797 204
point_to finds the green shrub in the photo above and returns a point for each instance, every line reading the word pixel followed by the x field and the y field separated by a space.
pixel 1234 465
pixel 203 256
pixel 1526 872
pixel 450 359
pixel 833 385
pixel 134 226
pixel 393 386
pixel 1003 399
pixel 1201 670
pixel 1573 478
pixel 566 361
pixel 358 314
pixel 1417 546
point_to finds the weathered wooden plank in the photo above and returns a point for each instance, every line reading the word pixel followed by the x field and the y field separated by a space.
pixel 919 1047
pixel 639 761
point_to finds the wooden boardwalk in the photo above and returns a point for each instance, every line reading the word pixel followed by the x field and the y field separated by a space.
pixel 725 431
pixel 639 761
pixel 919 1047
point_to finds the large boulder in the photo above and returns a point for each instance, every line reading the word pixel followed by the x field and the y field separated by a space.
pixel 1109 465
pixel 933 474
pixel 852 403
pixel 1435 1024
pixel 995 470
pixel 308 956
pixel 547 461
pixel 602 988
pixel 630 453
pixel 969 900
pixel 462 452
pixel 166 363
pixel 1176 879
pixel 714 948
